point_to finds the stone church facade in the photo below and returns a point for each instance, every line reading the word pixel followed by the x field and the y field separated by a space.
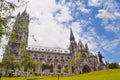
pixel 56 58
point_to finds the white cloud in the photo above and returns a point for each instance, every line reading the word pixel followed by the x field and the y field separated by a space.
pixel 82 7
pixel 104 14
pixel 76 27
pixel 91 37
pixel 110 45
pixel 42 6
pixel 78 5
pixel 95 2
pixel 110 10
pixel 64 15
pixel 52 35
pixel 114 27
pixel 117 14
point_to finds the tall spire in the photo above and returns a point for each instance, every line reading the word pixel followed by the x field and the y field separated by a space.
pixel 72 38
pixel 73 44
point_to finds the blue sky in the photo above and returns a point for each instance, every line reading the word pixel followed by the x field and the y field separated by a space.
pixel 96 22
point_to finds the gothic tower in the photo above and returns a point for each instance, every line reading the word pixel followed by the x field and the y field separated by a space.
pixel 19 35
pixel 73 44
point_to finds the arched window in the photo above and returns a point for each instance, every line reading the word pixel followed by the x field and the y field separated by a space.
pixel 51 68
pixel 25 69
pixel 59 67
pixel 34 69
pixel 73 69
pixel 43 67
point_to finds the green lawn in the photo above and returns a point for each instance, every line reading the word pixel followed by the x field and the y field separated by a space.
pixel 98 75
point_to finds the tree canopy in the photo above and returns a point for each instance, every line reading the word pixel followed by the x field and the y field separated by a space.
pixel 113 65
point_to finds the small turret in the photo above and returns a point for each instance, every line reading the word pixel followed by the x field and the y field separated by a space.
pixel 80 45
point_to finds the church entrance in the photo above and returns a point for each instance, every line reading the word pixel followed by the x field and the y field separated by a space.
pixel 86 69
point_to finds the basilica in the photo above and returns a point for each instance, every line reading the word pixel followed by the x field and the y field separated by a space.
pixel 57 60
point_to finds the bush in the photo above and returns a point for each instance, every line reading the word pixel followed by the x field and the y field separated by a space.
pixel 35 73
pixel 58 71
pixel 66 71
pixel 46 66
pixel 10 73
pixel 113 66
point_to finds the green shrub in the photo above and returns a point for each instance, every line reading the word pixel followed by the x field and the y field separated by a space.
pixel 10 73
pixel 58 71
pixel 113 66
pixel 46 66
pixel 35 73
pixel 66 70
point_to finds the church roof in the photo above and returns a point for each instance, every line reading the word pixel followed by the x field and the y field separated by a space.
pixel 48 49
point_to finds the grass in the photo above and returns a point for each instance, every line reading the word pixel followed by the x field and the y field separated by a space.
pixel 113 74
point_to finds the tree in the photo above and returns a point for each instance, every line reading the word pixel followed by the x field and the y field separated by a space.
pixel 113 66
pixel 6 9
pixel 46 66
pixel 9 63
pixel 1 66
pixel 26 61
pixel 75 60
